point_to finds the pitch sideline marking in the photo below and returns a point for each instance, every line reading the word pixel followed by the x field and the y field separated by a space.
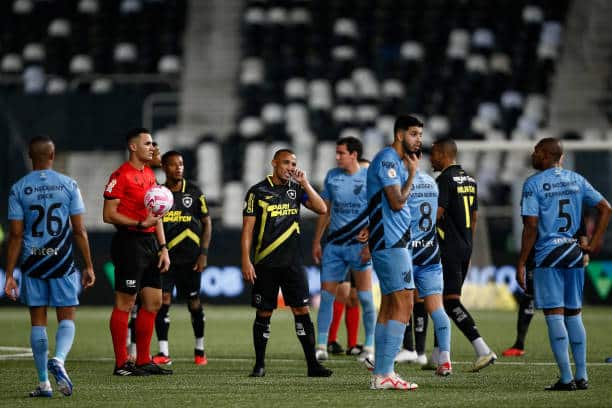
pixel 15 352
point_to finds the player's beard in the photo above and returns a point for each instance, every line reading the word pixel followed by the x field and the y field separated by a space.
pixel 409 150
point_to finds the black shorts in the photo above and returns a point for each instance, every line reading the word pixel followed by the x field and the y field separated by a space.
pixel 186 280
pixel 291 280
pixel 135 256
pixel 454 272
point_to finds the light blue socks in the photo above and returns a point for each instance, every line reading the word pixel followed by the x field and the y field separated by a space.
pixel 40 349
pixel 577 338
pixel 63 339
pixel 557 334
pixel 324 318
pixel 393 342
pixel 369 315
pixel 442 327
pixel 379 347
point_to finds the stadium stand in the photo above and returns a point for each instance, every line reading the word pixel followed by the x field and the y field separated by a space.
pixel 474 69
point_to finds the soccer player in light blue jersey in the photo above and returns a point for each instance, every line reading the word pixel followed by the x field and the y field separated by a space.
pixel 389 181
pixel 45 213
pixel 551 207
pixel 344 193
pixel 423 202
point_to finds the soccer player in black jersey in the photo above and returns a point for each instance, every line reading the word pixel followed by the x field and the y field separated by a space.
pixel 271 255
pixel 188 230
pixel 456 221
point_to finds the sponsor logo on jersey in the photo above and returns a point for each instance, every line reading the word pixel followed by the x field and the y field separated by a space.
pixel 111 185
pixel 176 216
pixel 43 251
pixel 277 210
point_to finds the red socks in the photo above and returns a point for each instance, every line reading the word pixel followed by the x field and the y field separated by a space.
pixel 333 328
pixel 145 323
pixel 352 324
pixel 119 332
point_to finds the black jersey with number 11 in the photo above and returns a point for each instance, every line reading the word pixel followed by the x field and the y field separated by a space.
pixel 458 197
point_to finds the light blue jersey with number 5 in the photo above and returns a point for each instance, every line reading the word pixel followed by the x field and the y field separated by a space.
pixel 556 197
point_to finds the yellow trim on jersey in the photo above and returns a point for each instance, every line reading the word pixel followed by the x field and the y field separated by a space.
pixel 203 208
pixel 294 227
pixel 440 232
pixel 184 185
pixel 182 236
pixel 262 225
pixel 269 178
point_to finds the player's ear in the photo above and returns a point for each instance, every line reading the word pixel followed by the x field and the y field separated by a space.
pixel 561 159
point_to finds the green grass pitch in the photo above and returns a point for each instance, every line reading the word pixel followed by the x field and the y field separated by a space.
pixel 225 382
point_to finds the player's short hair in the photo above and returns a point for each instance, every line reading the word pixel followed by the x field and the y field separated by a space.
pixel 281 151
pixel 166 156
pixel 553 147
pixel 135 132
pixel 403 122
pixel 40 139
pixel 39 149
pixel 352 144
pixel 448 145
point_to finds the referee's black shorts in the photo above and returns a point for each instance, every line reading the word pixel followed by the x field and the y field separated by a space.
pixel 292 280
pixel 135 256
pixel 454 272
pixel 186 280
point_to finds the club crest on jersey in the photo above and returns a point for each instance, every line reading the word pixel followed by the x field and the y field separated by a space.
pixel 291 194
pixel 28 190
pixel 392 173
pixel 187 201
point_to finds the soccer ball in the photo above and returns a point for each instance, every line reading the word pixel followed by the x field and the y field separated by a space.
pixel 158 200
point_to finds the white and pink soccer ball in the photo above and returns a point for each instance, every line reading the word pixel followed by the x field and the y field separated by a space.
pixel 159 200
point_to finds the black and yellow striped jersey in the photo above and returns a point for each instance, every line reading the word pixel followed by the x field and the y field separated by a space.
pixel 183 223
pixel 277 224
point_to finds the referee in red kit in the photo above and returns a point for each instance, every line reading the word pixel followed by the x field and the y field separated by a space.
pixel 139 253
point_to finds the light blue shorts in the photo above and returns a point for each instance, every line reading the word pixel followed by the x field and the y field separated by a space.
pixel 58 292
pixel 393 267
pixel 337 259
pixel 428 279
pixel 558 287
